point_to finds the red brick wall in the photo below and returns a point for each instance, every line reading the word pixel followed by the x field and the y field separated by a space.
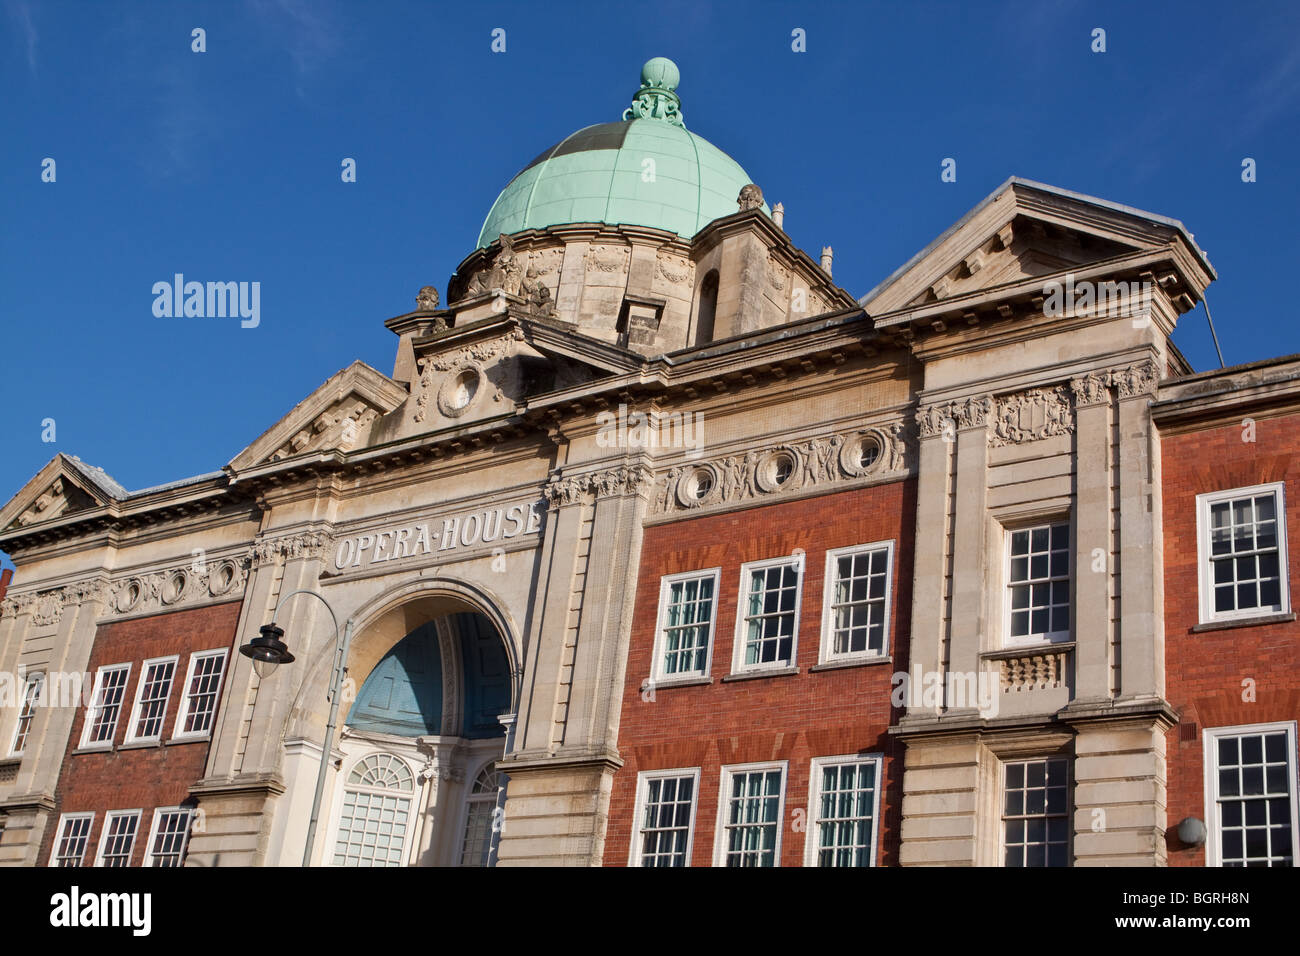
pixel 792 718
pixel 1204 671
pixel 147 777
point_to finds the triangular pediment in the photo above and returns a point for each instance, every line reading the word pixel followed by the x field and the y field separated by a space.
pixel 1021 231
pixel 64 487
pixel 339 415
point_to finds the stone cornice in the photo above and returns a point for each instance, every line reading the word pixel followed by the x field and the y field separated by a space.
pixel 1261 388
pixel 1023 296
pixel 268 783
pixel 1159 712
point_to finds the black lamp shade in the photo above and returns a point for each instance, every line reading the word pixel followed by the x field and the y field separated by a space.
pixel 267 651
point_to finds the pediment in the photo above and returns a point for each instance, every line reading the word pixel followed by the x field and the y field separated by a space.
pixel 63 487
pixel 1021 231
pixel 493 366
pixel 339 415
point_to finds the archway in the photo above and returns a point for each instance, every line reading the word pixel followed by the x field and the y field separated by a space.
pixel 417 783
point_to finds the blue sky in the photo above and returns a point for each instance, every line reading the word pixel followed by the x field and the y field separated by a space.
pixel 225 165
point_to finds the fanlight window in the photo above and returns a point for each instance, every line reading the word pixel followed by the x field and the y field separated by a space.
pixel 383 771
pixel 375 820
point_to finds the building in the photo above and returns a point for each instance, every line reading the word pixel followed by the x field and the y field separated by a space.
pixel 658 547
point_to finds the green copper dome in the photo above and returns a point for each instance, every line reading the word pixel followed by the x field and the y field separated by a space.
pixel 647 170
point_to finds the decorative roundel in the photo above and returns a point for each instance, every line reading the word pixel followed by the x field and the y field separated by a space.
pixel 174 587
pixel 222 578
pixel 864 454
pixel 459 390
pixel 128 596
pixel 778 470
pixel 699 486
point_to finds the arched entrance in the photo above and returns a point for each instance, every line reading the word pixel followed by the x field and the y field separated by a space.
pixel 417 784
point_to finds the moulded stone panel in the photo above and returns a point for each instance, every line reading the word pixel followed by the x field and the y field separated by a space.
pixel 938 853
pixel 938 827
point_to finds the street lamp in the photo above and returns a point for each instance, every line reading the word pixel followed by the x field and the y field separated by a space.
pixel 269 652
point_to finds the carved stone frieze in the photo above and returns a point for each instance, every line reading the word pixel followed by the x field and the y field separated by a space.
pixel 201 580
pixel 48 505
pixel 47 607
pixel 813 463
pixel 1139 379
pixel 469 360
pixel 16 604
pixel 543 262
pixel 625 479
pixel 479 352
pixel 947 417
pixel 676 269
pixel 604 258
pixel 1031 415
pixel 302 544
pixel 777 274
pixel 1091 389
pixel 337 427
pixel 504 274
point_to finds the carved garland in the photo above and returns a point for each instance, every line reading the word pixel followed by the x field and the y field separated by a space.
pixel 174 587
pixel 608 258
pixel 674 268
pixel 782 468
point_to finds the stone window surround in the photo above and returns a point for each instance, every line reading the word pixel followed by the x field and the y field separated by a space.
pixel 995 751
pixel 447 761
pixel 1206 615
pixel 1018 517
pixel 642 787
pixel 32 689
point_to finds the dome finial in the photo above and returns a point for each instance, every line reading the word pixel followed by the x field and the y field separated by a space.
pixel 657 97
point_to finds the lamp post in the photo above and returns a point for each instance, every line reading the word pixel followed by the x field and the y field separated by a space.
pixel 268 652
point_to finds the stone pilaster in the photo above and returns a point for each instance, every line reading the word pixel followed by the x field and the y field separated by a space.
pixel 1141 650
pixel 560 774
pixel 1119 791
pixel 1092 588
pixel 967 619
pixel 941 801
